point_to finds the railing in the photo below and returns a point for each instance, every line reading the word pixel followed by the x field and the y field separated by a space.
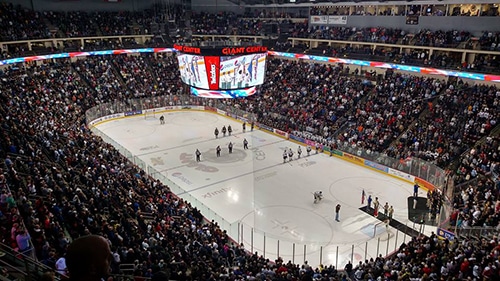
pixel 383 241
pixel 21 265
pixel 477 232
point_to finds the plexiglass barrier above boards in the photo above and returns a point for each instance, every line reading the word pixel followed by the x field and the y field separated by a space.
pixel 383 241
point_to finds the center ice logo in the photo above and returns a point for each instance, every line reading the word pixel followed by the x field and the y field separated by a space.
pixel 238 155
pixel 189 159
pixel 210 156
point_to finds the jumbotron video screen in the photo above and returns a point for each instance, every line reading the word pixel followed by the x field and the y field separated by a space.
pixel 233 71
pixel 242 72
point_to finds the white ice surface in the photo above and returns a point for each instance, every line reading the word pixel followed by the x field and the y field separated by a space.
pixel 261 200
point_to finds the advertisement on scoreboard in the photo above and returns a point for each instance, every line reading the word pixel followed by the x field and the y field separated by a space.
pixel 193 70
pixel 228 94
pixel 242 71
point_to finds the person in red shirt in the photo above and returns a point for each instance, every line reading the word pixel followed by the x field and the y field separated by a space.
pixel 426 269
pixel 464 267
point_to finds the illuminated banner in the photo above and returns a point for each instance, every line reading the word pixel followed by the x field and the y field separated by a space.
pixel 212 70
pixel 220 51
pixel 402 67
pixel 231 94
pixel 423 70
pixel 188 49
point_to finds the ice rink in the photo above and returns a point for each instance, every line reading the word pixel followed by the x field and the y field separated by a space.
pixel 265 203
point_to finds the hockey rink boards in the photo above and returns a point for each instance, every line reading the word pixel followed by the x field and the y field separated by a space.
pixel 268 203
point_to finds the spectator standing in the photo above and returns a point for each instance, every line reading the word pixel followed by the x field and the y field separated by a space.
pixel 348 268
pixel 23 242
pixel 61 265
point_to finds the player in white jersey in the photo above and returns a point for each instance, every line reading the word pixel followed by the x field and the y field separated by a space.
pixel 318 195
pixel 223 81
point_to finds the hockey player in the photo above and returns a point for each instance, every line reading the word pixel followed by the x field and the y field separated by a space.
pixel 245 144
pixel 229 130
pixel 224 131
pixel 290 154
pixel 285 155
pixel 244 126
pixel 162 120
pixel 308 149
pixel 299 151
pixel 251 126
pixel 230 147
pixel 216 133
pixel 217 151
pixel 198 155
pixel 318 195
pixel 317 148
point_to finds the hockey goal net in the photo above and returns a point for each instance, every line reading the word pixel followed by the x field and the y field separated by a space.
pixel 149 114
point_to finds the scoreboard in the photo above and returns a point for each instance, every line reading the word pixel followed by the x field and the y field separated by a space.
pixel 222 68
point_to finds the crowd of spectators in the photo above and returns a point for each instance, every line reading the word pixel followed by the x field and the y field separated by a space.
pixel 59 175
pixel 309 100
pixel 490 41
pixel 383 117
pixel 59 181
pixel 17 23
pixel 444 39
pixel 20 24
pixel 73 24
pixel 155 75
